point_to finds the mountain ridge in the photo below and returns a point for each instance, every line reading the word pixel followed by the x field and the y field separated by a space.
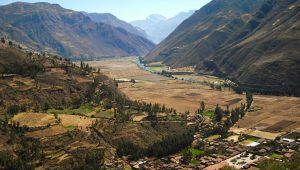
pixel 159 27
pixel 51 28
pixel 112 20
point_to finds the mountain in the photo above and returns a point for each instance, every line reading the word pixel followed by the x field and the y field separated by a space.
pixel 51 28
pixel 112 20
pixel 159 27
pixel 253 42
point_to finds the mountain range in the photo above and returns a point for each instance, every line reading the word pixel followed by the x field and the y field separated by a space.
pixel 253 42
pixel 159 27
pixel 51 28
pixel 112 20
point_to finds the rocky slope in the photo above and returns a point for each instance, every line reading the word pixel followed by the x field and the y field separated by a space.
pixel 252 42
pixel 159 27
pixel 51 28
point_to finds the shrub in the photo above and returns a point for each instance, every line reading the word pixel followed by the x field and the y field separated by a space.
pixel 13 109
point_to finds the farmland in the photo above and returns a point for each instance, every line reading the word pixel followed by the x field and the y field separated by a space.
pixel 272 114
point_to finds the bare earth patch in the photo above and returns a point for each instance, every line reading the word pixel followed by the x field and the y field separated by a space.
pixel 52 131
pixel 34 119
pixel 81 122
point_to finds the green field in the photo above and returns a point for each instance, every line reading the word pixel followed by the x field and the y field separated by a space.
pixel 84 109
pixel 251 138
pixel 276 156
pixel 197 152
pixel 157 68
pixel 70 128
pixel 195 162
pixel 210 114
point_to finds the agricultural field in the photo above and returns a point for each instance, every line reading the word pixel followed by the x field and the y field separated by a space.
pixel 50 126
pixel 34 120
pixel 271 114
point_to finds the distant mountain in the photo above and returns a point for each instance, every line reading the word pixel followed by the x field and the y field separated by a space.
pixel 254 42
pixel 112 20
pixel 159 27
pixel 51 28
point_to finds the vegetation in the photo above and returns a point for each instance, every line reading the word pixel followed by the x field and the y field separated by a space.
pixel 86 69
pixel 13 109
pixel 228 168
pixel 25 154
pixel 251 138
pixel 218 114
pixel 197 152
pixel 166 146
pixel 82 110
pixel 276 156
pixel 286 164
pixel 70 128
pixel 249 99
pixel 210 114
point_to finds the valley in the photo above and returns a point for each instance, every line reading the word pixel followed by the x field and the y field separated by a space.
pixel 186 96
pixel 210 89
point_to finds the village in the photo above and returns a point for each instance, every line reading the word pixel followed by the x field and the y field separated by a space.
pixel 238 150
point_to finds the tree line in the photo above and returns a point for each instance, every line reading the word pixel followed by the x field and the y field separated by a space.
pixel 168 145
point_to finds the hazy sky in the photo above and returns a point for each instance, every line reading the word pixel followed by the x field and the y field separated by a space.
pixel 127 10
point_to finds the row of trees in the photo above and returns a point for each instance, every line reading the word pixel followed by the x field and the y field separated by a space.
pixel 278 91
pixel 166 146
pixel 24 69
pixel 86 69
pixel 142 106
pixel 233 116
pixel 3 41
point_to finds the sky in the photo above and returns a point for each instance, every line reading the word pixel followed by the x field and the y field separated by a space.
pixel 128 10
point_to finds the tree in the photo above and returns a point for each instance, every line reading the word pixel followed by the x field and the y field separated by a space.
pixel 228 123
pixel 227 112
pixel 55 115
pixel 12 109
pixel 81 64
pixel 187 155
pixel 249 98
pixel 132 81
pixel 202 106
pixel 2 40
pixel 242 110
pixel 218 114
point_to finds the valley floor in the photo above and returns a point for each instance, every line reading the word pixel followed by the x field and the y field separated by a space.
pixel 271 113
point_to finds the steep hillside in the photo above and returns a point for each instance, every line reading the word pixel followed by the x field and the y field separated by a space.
pixel 252 42
pixel 56 115
pixel 205 31
pixel 112 20
pixel 51 28
pixel 159 27
pixel 29 81
pixel 265 51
